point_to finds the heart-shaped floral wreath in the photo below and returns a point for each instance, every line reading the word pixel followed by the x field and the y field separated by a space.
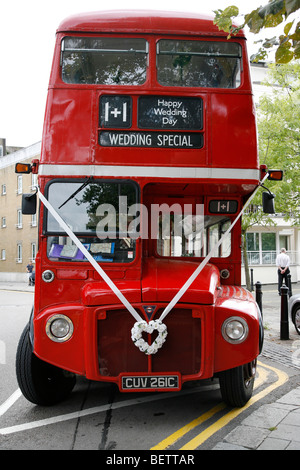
pixel 141 326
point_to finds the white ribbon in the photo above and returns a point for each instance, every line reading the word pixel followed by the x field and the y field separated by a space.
pixel 89 257
pixel 140 323
pixel 191 279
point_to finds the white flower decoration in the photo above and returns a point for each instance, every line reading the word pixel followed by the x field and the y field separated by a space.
pixel 140 327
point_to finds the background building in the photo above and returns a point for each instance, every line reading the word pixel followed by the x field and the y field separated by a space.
pixel 18 233
pixel 264 243
pixel 263 246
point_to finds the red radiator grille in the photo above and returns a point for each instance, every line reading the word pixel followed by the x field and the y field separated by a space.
pixel 181 352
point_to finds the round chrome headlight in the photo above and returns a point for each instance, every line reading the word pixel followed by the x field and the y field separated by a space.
pixel 59 328
pixel 235 330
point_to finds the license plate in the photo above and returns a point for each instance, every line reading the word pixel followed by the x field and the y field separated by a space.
pixel 150 382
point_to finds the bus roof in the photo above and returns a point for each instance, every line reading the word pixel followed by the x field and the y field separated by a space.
pixel 135 21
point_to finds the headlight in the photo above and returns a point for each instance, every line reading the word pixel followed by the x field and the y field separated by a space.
pixel 59 328
pixel 235 330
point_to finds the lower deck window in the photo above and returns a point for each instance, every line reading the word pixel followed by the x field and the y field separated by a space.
pixel 182 236
pixel 120 250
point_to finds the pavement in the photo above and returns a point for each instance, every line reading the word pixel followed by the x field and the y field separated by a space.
pixel 276 425
pixel 272 426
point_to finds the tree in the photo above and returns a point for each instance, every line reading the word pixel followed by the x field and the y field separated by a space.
pixel 272 14
pixel 279 147
pixel 279 138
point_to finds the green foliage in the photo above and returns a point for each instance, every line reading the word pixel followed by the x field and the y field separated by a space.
pixel 279 139
pixel 279 147
pixel 279 142
pixel 271 15
pixel 223 18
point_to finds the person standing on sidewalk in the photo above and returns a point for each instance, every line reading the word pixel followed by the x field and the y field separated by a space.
pixel 29 269
pixel 283 265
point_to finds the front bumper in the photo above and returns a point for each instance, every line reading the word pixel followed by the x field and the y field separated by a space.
pixel 101 347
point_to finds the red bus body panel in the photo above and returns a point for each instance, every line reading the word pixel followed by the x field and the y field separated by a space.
pixel 101 347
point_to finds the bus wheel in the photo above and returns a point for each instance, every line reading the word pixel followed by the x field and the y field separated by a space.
pixel 41 383
pixel 237 384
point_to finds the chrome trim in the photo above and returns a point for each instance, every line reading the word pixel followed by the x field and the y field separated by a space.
pixel 244 335
pixel 46 272
pixel 49 332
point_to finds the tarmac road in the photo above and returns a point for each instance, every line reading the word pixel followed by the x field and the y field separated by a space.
pixel 98 417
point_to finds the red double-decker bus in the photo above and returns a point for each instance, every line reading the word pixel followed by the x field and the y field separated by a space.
pixel 149 154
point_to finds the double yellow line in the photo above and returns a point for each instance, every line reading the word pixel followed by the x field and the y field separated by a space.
pixel 282 377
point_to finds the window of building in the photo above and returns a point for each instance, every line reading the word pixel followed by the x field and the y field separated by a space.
pixel 284 241
pixel 268 248
pixel 3 222
pixel 34 180
pixel 33 251
pixel 263 247
pixel 3 255
pixel 19 253
pixel 3 189
pixel 19 218
pixel 20 184
pixel 33 222
pixel 252 240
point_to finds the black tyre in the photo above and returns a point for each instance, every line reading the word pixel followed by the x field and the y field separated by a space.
pixel 296 319
pixel 237 384
pixel 41 383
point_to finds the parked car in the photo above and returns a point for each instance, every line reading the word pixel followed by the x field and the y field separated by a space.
pixel 294 311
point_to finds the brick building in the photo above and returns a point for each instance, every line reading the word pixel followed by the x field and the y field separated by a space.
pixel 18 233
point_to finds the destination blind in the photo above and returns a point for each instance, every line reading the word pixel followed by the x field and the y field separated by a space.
pixel 161 114
pixel 178 140
pixel 170 112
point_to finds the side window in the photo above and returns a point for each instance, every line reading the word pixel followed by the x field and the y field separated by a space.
pixel 192 235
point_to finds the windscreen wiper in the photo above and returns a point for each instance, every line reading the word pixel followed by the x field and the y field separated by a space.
pixel 87 181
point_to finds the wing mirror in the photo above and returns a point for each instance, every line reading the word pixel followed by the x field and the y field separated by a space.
pixel 268 197
pixel 29 203
pixel 268 202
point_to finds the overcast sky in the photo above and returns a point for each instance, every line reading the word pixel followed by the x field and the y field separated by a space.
pixel 27 35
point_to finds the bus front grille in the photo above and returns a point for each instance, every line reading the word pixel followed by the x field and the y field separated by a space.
pixel 181 352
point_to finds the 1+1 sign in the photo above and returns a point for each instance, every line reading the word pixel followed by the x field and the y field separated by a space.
pixel 154 112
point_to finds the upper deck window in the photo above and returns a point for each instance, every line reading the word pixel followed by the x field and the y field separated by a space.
pixel 209 64
pixel 105 60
